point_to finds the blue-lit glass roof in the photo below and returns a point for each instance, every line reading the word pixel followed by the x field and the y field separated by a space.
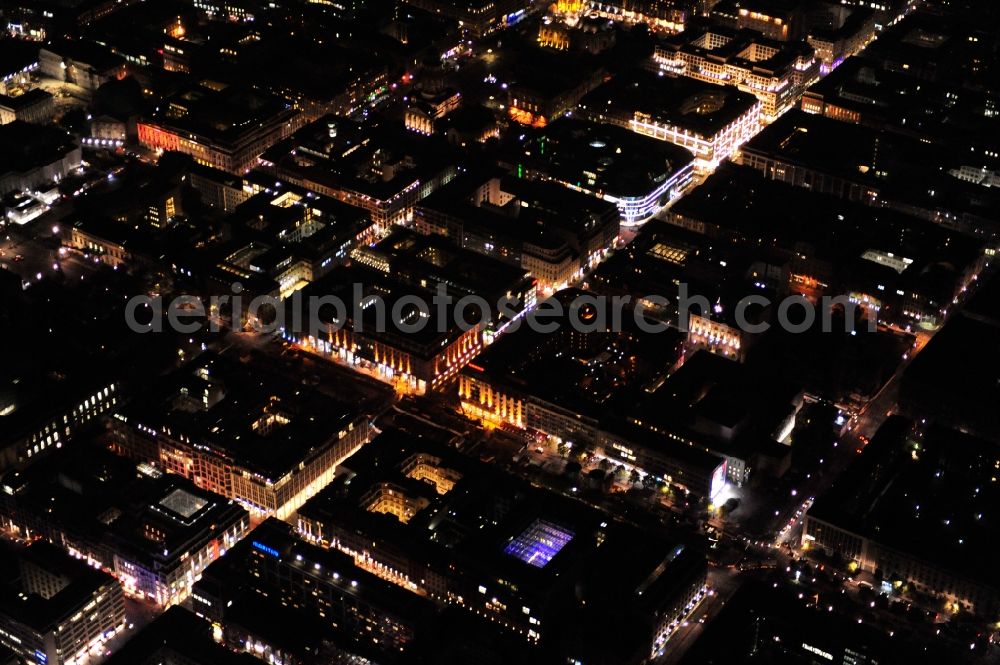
pixel 539 543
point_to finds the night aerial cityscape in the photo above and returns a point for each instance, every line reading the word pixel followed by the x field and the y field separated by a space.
pixel 492 332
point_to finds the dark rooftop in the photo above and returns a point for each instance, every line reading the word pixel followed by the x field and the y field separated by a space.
pixel 178 633
pixel 898 168
pixel 16 55
pixel 19 102
pixel 24 146
pixel 591 373
pixel 377 159
pixel 230 408
pixel 484 524
pixel 962 349
pixel 433 259
pixel 355 284
pixel 604 158
pixel 226 114
pixel 740 205
pixel 930 495
pixel 702 108
pixel 90 494
pixel 79 582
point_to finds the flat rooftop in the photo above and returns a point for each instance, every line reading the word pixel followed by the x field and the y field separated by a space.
pixel 275 539
pixel 221 113
pixel 718 402
pixel 178 632
pixel 46 380
pixel 742 204
pixel 543 72
pixel 682 102
pixel 542 214
pixel 900 168
pixel 377 159
pixel 260 419
pixel 16 55
pixel 940 110
pixel 591 373
pixel 746 49
pixel 410 330
pixel 954 378
pixel 432 258
pixel 605 158
pixel 23 101
pixel 25 146
pixel 663 257
pixel 770 623
pixel 930 495
pixel 481 522
pixel 947 43
pixel 77 580
pixel 97 497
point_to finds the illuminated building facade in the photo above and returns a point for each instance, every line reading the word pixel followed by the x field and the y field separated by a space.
pixel 512 385
pixel 710 121
pixel 716 337
pixel 540 227
pixel 28 19
pixel 774 20
pixel 35 156
pixel 681 463
pixel 887 12
pixel 232 10
pixel 208 527
pixel 110 248
pixel 659 15
pixel 219 126
pixel 383 334
pixel 432 261
pixel 852 31
pixel 588 34
pixel 429 106
pixel 384 170
pixel 934 549
pixel 81 63
pixel 419 119
pixel 35 106
pixel 260 447
pixel 36 437
pixel 155 533
pixel 360 611
pixel 506 555
pixel 777 73
pixel 217 188
pixel 273 568
pixel 59 608
pixel 639 174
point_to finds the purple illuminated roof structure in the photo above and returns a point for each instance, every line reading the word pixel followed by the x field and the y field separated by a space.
pixel 539 543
